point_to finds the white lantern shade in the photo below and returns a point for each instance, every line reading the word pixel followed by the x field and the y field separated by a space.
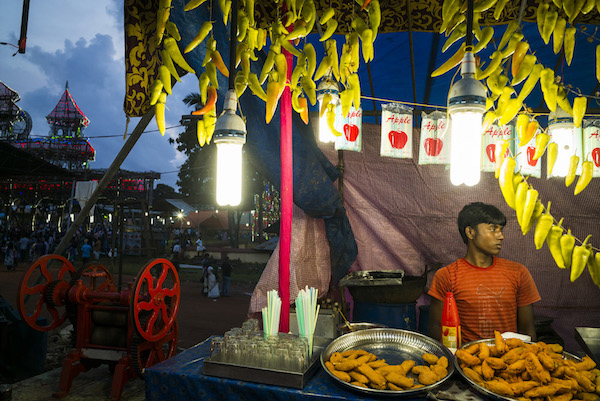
pixel 465 147
pixel 229 173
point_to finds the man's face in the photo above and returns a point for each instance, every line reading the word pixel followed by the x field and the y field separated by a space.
pixel 488 238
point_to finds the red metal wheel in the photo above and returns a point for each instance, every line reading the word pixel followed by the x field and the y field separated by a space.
pixel 95 277
pixel 145 353
pixel 42 290
pixel 155 299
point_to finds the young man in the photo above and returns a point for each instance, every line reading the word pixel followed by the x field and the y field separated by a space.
pixel 491 293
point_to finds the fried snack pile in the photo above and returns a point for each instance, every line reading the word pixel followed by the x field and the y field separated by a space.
pixel 529 372
pixel 363 369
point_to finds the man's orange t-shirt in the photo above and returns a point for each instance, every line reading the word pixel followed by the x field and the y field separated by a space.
pixel 487 298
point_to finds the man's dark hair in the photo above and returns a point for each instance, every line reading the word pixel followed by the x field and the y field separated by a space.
pixel 477 213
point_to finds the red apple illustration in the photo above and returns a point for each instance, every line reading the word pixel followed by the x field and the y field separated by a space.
pixel 530 153
pixel 596 156
pixel 350 132
pixel 433 146
pixel 490 150
pixel 398 139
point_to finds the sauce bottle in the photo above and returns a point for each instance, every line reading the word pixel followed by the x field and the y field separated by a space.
pixel 450 323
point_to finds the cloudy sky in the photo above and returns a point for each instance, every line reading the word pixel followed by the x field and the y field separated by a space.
pixel 82 42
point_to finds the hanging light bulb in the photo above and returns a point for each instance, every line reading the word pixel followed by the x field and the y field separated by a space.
pixel 466 106
pixel 328 86
pixel 560 128
pixel 229 136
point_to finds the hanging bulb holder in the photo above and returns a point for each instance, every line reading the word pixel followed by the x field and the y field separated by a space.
pixel 229 126
pixel 560 119
pixel 328 85
pixel 468 94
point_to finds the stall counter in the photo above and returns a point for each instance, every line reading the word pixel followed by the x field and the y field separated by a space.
pixel 181 378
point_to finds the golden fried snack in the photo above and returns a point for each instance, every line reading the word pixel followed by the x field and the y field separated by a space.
pixel 471 374
pixel 418 369
pixel 430 358
pixel 547 361
pixel 373 376
pixel 392 386
pixel 514 342
pixel 541 391
pixel 516 367
pixel 378 386
pixel 536 370
pixel 587 396
pixel 496 363
pixel 499 387
pixel 353 353
pixel 486 371
pixel 427 377
pixel 359 377
pixel 583 381
pixel 377 363
pixel 359 384
pixel 467 358
pixel 513 355
pixel 477 368
pixel 406 366
pixel 336 357
pixel 347 364
pixel 586 364
pixel 569 384
pixel 342 375
pixel 439 371
pixel 557 348
pixel 400 380
pixel 484 351
pixel 473 349
pixel 366 358
pixel 561 397
pixel 522 386
pixel 499 342
pixel 443 362
pixel 329 366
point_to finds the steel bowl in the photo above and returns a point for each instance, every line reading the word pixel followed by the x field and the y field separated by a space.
pixel 393 345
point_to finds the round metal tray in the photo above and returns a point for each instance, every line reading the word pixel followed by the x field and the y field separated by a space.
pixel 483 390
pixel 393 345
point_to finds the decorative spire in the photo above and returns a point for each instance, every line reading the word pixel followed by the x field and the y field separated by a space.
pixel 67 116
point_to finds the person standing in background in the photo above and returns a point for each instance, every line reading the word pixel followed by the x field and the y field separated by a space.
pixel 86 251
pixel 9 257
pixel 226 270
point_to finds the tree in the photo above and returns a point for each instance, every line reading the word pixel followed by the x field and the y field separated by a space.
pixel 197 175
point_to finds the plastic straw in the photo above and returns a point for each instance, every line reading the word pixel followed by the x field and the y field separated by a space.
pixel 307 312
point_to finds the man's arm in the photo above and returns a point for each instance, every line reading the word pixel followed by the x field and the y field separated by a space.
pixel 525 324
pixel 435 319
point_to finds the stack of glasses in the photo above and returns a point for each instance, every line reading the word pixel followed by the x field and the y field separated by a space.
pixel 247 346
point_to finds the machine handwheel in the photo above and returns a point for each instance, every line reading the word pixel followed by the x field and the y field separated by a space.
pixel 95 277
pixel 155 299
pixel 145 353
pixel 47 275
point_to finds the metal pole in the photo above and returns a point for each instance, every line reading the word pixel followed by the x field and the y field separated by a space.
pixel 108 176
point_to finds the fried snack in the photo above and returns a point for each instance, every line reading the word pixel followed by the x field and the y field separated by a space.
pixel 496 363
pixel 400 380
pixel 561 397
pixel 439 370
pixel 541 391
pixel 499 387
pixel 555 348
pixel 329 366
pixel 443 362
pixel 536 370
pixel 523 386
pixel 486 371
pixel 514 343
pixel 427 377
pixel 347 364
pixel 513 355
pixel 471 374
pixel 418 369
pixel 430 358
pixel 516 367
pixel 586 364
pixel 500 344
pixel 467 358
pixel 353 353
pixel 377 363
pixel 342 375
pixel 359 384
pixel 366 358
pixel 484 351
pixel 477 368
pixel 406 366
pixel 547 361
pixel 473 349
pixel 359 377
pixel 583 381
pixel 392 386
pixel 586 396
pixel 336 357
pixel 373 376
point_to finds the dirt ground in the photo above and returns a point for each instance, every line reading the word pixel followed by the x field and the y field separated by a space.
pixel 198 317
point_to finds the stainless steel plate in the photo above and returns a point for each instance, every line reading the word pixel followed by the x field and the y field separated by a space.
pixel 483 390
pixel 393 345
